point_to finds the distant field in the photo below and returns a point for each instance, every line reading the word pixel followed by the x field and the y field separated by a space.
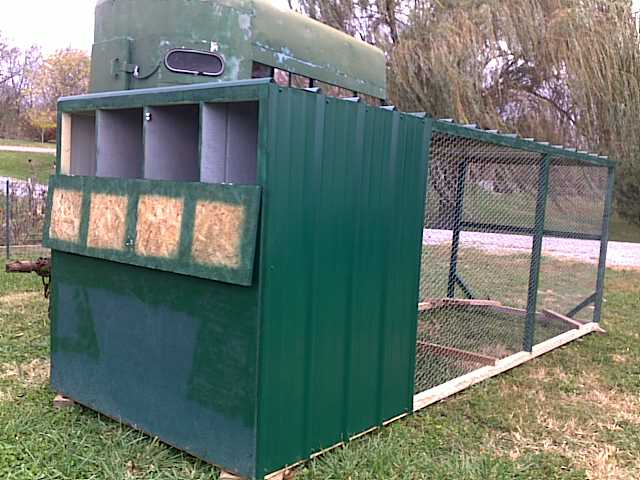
pixel 622 231
pixel 26 143
pixel 16 165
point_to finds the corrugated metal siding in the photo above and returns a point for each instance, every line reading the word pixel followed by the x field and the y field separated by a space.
pixel 342 226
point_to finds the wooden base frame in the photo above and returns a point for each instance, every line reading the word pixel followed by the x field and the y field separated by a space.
pixel 435 394
pixel 60 401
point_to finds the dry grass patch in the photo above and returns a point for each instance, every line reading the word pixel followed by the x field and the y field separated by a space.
pixel 622 406
pixel 543 374
pixel 621 359
pixel 574 425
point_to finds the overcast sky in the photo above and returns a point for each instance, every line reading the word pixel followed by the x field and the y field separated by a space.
pixel 56 24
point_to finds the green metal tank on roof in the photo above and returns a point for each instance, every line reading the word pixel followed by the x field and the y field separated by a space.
pixel 133 38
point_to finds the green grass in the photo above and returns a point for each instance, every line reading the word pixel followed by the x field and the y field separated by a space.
pixel 26 143
pixel 622 231
pixel 572 414
pixel 16 165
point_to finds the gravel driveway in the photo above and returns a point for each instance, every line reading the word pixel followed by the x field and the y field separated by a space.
pixel 620 255
pixel 16 148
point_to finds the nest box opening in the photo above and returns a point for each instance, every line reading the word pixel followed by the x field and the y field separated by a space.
pixel 171 143
pixel 229 143
pixel 78 144
pixel 120 150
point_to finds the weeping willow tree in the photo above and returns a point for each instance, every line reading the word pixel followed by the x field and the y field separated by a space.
pixel 563 70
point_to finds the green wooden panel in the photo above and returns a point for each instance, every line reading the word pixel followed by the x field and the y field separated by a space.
pixel 171 355
pixel 247 196
pixel 341 233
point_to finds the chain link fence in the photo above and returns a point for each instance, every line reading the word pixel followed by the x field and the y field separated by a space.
pixel 512 248
pixel 23 207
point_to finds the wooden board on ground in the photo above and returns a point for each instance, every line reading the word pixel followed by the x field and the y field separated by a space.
pixel 435 394
pixel 455 302
pixel 562 318
pixel 456 353
pixel 60 401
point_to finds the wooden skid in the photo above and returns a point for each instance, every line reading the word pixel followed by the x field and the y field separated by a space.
pixel 562 318
pixel 224 475
pixel 519 312
pixel 433 395
pixel 457 353
pixel 455 302
pixel 60 401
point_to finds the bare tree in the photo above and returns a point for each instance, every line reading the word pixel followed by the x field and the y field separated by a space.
pixel 14 82
pixel 564 70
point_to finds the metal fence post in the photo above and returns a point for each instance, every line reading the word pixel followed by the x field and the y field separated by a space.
pixel 7 219
pixel 536 253
pixel 604 242
pixel 457 228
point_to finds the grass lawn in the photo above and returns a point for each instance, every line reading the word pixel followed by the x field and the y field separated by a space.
pixel 572 414
pixel 16 165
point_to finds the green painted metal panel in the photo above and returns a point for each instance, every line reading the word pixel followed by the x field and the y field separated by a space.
pixel 238 91
pixel 246 196
pixel 110 61
pixel 299 44
pixel 170 354
pixel 242 31
pixel 341 231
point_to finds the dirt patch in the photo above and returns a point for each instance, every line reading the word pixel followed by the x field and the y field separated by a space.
pixel 33 373
pixel 19 298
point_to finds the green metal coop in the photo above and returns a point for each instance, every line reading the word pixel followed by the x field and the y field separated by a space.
pixel 239 264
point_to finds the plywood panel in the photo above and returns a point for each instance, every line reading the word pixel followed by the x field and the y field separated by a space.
pixel 107 221
pixel 153 225
pixel 159 226
pixel 66 212
pixel 65 144
pixel 217 234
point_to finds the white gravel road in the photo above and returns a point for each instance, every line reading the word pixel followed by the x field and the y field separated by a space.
pixel 620 255
pixel 15 148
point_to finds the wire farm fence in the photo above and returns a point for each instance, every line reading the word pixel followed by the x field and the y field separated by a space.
pixel 496 278
pixel 23 207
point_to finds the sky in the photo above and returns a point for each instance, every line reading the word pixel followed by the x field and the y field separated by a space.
pixel 57 24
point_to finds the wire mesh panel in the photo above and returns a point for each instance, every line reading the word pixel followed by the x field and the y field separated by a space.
pixel 491 284
pixel 22 209
pixel 570 251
